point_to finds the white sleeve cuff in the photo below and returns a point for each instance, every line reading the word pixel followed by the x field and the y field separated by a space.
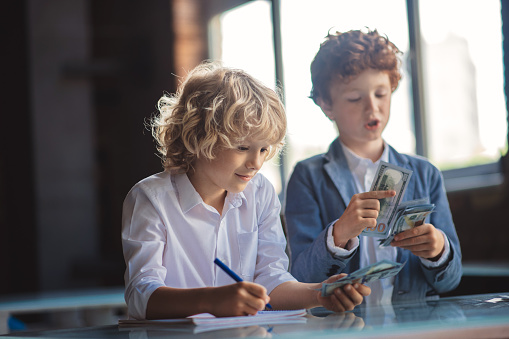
pixel 339 251
pixel 443 259
pixel 137 299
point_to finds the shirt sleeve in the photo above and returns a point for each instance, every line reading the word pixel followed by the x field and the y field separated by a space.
pixel 143 241
pixel 443 258
pixel 312 259
pixel 272 261
pixel 341 252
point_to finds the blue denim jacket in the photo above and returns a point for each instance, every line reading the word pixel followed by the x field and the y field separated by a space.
pixel 318 192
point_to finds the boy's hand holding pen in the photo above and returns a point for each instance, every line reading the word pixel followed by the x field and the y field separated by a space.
pixel 253 289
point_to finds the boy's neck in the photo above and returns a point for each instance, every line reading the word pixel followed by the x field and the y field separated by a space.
pixel 213 198
pixel 217 202
pixel 371 150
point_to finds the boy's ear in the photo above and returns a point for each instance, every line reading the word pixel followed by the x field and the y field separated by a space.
pixel 325 106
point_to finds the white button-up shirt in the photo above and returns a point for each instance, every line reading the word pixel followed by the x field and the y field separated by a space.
pixel 170 237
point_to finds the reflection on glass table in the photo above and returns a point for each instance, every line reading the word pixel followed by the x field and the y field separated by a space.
pixel 474 316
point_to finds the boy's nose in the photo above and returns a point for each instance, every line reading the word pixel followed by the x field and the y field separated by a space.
pixel 255 162
pixel 370 104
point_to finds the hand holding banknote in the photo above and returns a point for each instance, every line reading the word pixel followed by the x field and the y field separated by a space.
pixel 379 270
pixel 388 177
pixel 409 214
pixel 361 213
pixel 424 241
pixel 344 297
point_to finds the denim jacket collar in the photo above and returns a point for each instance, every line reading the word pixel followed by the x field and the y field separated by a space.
pixel 337 169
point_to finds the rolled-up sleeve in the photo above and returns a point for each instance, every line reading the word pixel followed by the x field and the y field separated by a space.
pixel 143 242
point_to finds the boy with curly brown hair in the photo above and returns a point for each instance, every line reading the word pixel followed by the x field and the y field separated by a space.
pixel 328 203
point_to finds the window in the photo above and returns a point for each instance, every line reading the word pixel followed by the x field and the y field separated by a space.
pixel 458 120
pixel 463 82
pixel 304 25
pixel 246 42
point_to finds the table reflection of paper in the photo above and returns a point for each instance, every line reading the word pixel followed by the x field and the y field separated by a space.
pixel 208 322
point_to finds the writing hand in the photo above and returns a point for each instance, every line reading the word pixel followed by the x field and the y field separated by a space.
pixel 242 298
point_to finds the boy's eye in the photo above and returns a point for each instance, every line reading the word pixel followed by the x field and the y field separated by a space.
pixel 246 148
pixel 353 99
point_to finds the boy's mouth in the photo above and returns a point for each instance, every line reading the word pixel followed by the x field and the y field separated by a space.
pixel 373 124
pixel 244 177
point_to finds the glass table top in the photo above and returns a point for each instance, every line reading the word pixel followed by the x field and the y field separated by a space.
pixel 470 316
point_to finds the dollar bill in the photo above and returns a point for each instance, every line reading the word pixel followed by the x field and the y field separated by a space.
pixel 380 270
pixel 388 177
pixel 408 217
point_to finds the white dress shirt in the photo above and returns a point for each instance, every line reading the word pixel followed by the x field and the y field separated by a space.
pixel 170 237
pixel 363 171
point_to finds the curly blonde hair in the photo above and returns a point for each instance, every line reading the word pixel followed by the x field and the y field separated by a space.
pixel 346 55
pixel 215 108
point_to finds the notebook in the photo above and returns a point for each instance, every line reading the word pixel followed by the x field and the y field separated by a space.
pixel 210 321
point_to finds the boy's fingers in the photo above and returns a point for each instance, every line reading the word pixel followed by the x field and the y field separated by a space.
pixel 362 289
pixel 335 277
pixel 259 295
pixel 255 304
pixel 353 294
pixel 255 289
pixel 384 194
pixel 344 298
pixel 377 194
pixel 336 304
pixel 250 309
pixel 369 214
pixel 412 233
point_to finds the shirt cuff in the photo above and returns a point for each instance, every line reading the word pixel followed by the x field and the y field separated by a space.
pixel 337 251
pixel 443 259
pixel 137 299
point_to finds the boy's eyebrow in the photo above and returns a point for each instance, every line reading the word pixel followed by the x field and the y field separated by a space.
pixel 351 89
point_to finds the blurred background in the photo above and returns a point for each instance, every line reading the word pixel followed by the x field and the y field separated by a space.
pixel 81 77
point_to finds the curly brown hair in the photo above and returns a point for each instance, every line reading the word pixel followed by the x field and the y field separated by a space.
pixel 346 55
pixel 216 107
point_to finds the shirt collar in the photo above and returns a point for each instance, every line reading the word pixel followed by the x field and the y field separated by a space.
pixel 189 197
pixel 236 199
pixel 354 161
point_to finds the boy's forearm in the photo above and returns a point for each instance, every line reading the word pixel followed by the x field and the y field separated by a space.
pixel 167 303
pixel 294 295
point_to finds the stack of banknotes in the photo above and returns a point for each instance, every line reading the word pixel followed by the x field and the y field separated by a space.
pixel 380 270
pixel 408 215
pixel 394 217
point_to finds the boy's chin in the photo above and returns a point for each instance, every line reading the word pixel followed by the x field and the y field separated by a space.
pixel 237 189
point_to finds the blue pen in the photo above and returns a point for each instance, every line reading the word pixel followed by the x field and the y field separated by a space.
pixel 231 273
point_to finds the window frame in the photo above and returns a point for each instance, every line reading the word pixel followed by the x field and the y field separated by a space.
pixel 459 179
pixel 472 177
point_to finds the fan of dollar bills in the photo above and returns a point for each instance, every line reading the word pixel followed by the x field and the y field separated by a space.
pixel 379 270
pixel 408 215
pixel 394 217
